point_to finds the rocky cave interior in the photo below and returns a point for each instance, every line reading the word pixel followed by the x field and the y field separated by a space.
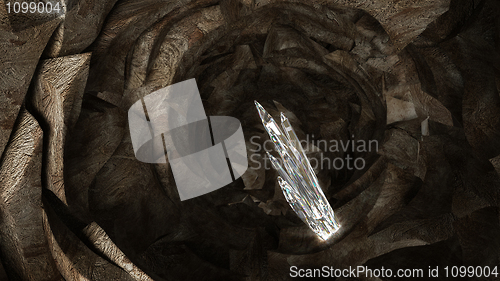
pixel 422 78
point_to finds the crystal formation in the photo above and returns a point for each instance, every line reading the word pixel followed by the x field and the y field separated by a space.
pixel 297 178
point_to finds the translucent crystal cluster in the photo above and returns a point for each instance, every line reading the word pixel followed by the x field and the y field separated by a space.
pixel 297 178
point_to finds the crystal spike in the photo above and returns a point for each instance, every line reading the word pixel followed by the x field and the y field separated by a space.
pixel 297 178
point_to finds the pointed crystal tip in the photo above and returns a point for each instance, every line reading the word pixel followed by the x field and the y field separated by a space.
pixel 283 117
pixel 260 108
pixel 262 112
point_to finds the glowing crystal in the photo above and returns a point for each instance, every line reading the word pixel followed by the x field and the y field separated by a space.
pixel 297 178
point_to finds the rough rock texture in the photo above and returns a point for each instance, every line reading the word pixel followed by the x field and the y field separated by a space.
pixel 421 78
